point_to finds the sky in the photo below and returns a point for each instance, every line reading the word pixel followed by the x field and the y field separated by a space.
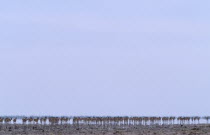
pixel 107 57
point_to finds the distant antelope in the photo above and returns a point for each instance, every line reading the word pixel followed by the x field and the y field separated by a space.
pixel 1 120
pixel 24 120
pixel 207 119
pixel 7 120
pixel 14 120
pixel 30 120
pixel 36 120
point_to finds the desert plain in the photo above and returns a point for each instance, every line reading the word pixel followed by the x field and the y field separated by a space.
pixel 65 129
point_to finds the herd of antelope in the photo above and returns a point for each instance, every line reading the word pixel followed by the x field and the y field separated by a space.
pixel 105 120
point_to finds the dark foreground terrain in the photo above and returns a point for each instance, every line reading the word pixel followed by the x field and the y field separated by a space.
pixel 20 129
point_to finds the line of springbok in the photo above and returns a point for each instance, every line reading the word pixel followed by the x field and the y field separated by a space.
pixel 108 120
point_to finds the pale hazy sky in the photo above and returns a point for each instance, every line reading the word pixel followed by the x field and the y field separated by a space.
pixel 105 57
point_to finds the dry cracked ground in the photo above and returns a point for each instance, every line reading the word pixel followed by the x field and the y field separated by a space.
pixel 19 129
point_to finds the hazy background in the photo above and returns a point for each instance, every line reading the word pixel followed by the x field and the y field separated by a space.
pixel 105 57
